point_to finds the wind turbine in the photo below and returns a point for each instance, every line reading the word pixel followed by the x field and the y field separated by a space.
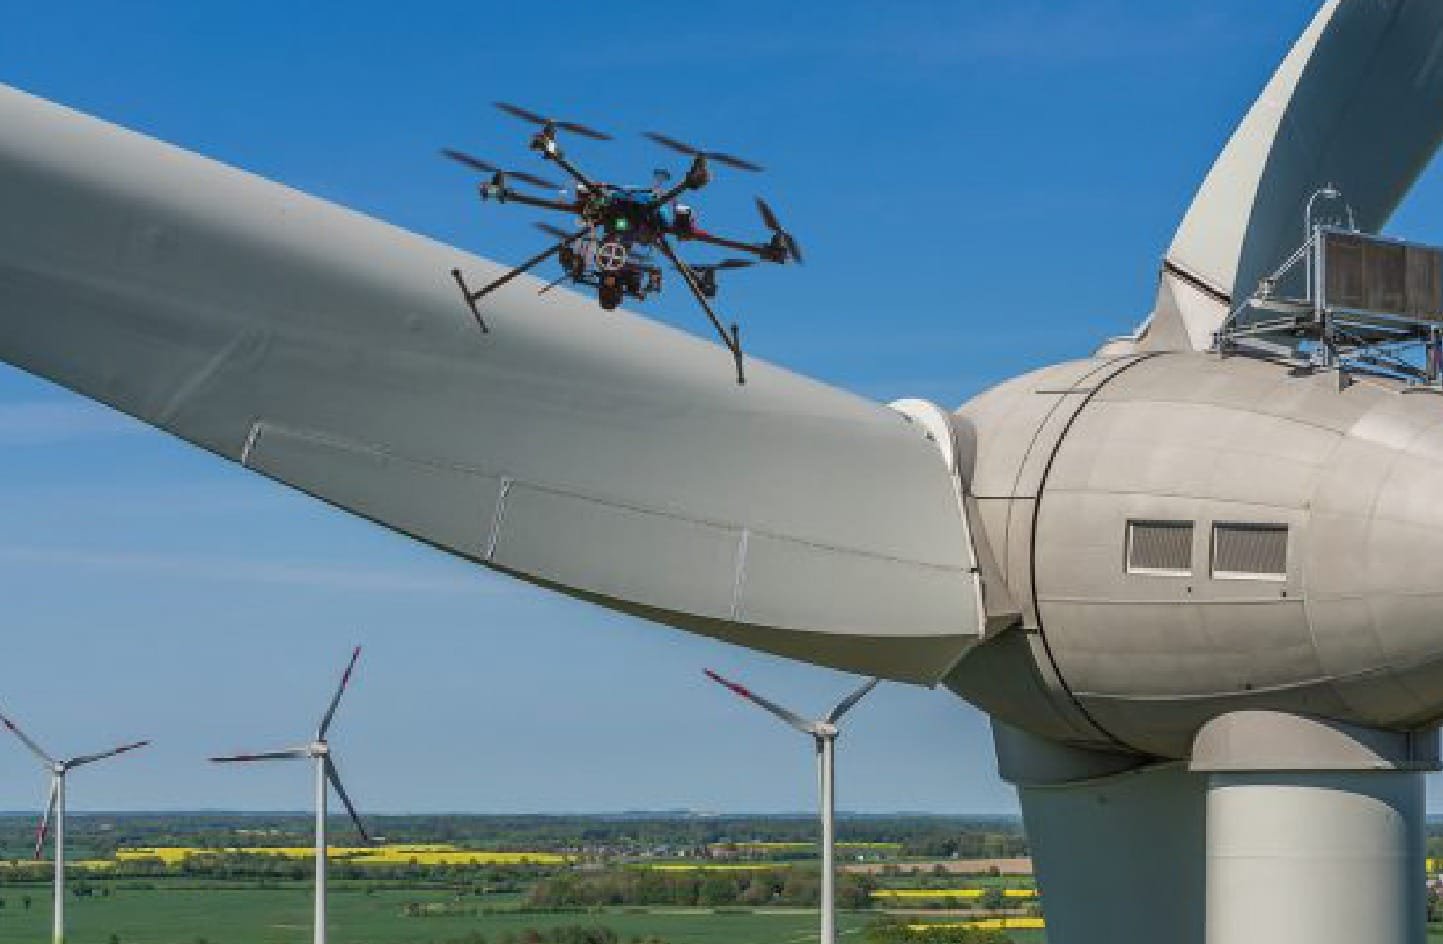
pixel 823 732
pixel 319 751
pixel 55 809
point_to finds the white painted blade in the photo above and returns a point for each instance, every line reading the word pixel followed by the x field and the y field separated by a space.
pixel 44 830
pixel 84 759
pixel 846 704
pixel 35 749
pixel 599 454
pixel 790 717
pixel 293 753
pixel 1358 103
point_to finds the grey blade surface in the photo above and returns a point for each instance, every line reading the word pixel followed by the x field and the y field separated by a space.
pixel 44 829
pixel 84 759
pixel 334 776
pixel 790 717
pixel 330 714
pixel 600 454
pixel 35 749
pixel 294 753
pixel 846 704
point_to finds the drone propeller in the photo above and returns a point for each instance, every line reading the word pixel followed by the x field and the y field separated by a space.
pixel 516 111
pixel 793 248
pixel 684 148
pixel 486 167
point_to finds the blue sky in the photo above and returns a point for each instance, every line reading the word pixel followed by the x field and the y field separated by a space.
pixel 980 188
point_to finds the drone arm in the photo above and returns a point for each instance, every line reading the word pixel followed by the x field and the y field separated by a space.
pixel 757 249
pixel 506 195
pixel 729 338
pixel 555 156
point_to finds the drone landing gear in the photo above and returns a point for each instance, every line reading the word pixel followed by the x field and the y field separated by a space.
pixel 473 297
pixel 733 338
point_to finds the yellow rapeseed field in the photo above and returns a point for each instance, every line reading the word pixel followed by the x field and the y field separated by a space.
pixel 982 924
pixel 926 894
pixel 417 853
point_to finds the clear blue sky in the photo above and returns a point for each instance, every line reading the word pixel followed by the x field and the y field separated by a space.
pixel 981 188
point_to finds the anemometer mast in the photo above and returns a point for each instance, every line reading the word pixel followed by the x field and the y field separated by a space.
pixel 1347 300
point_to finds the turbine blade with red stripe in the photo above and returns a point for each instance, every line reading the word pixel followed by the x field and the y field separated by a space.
pixel 790 717
pixel 44 829
pixel 340 690
pixel 24 739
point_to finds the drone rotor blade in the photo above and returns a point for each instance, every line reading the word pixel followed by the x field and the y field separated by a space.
pixel 575 127
pixel 790 717
pixel 84 759
pixel 768 217
pixel 532 179
pixel 25 739
pixel 516 111
pixel 731 160
pixel 293 753
pixel 334 777
pixel 583 130
pixel 475 163
pixel 846 704
pixel 336 699
pixel 672 143
pixel 733 264
pixel 44 829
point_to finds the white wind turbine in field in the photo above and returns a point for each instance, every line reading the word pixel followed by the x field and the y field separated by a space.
pixel 319 751
pixel 823 732
pixel 55 811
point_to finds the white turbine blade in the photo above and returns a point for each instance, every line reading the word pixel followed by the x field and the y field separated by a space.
pixel 84 759
pixel 325 724
pixel 44 829
pixel 25 739
pixel 1357 103
pixel 614 458
pixel 790 717
pixel 334 777
pixel 845 705
pixel 290 753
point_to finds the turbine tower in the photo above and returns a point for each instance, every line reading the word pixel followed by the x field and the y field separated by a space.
pixel 318 751
pixel 55 810
pixel 823 732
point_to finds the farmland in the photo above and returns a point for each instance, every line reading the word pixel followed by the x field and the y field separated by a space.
pixel 223 878
pixel 181 878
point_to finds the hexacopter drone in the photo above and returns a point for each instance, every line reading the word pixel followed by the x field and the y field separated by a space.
pixel 620 226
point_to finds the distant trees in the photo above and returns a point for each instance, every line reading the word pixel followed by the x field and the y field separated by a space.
pixel 894 931
pixel 701 887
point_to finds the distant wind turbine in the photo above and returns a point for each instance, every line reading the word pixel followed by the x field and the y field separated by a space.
pixel 319 750
pixel 55 810
pixel 824 733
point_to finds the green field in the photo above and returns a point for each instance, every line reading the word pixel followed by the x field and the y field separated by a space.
pixel 241 913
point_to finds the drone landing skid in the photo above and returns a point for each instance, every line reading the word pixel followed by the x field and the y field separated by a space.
pixel 470 300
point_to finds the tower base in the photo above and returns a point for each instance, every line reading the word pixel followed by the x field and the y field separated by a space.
pixel 1281 828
